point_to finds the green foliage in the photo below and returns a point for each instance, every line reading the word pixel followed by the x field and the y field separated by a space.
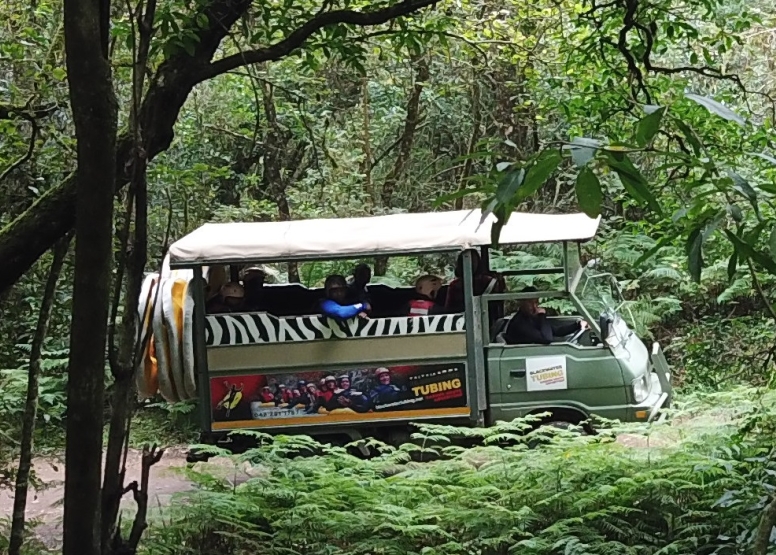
pixel 31 546
pixel 163 423
pixel 746 341
pixel 51 396
pixel 696 488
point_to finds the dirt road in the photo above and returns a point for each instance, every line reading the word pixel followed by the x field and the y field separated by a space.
pixel 45 506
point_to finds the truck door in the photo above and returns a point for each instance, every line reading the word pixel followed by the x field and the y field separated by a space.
pixel 532 377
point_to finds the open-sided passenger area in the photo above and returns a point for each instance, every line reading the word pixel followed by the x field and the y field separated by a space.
pixel 294 299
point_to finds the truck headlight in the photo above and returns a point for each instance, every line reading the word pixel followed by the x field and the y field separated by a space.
pixel 640 388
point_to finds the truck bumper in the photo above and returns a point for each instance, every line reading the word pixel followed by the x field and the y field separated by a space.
pixel 662 390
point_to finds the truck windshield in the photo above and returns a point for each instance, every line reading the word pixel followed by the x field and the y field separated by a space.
pixel 599 292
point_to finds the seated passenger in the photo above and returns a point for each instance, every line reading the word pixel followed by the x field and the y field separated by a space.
pixel 266 395
pixel 384 392
pixel 328 389
pixel 253 282
pixel 530 324
pixel 357 284
pixel 424 301
pixel 215 279
pixel 484 282
pixel 335 304
pixel 346 398
pixel 230 299
pixel 308 398
pixel 282 395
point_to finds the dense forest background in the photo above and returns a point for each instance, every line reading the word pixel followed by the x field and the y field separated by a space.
pixel 656 114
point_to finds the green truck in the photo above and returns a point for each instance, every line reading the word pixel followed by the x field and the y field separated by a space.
pixel 249 370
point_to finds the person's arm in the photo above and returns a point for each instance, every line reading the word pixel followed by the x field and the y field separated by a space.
pixel 529 329
pixel 561 330
pixel 334 310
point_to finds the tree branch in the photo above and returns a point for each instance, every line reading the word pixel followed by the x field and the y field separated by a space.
pixel 27 155
pixel 8 111
pixel 298 37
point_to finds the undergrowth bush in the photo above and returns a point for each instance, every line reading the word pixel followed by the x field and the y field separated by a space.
pixel 31 546
pixel 697 485
pixel 717 353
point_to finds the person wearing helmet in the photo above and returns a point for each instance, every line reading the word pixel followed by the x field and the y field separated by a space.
pixel 335 304
pixel 266 395
pixel 345 397
pixel 484 282
pixel 423 303
pixel 253 282
pixel 384 392
pixel 328 388
pixel 282 395
pixel 357 284
pixel 308 398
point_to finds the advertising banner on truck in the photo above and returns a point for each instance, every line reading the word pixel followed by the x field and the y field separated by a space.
pixel 314 398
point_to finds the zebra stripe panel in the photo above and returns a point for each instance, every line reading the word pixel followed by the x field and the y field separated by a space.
pixel 246 329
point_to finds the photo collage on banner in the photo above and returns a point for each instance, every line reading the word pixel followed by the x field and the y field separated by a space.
pixel 258 400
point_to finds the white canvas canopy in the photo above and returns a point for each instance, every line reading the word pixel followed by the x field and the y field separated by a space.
pixel 392 234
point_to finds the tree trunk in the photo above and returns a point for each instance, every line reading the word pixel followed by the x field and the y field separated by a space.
pixel 280 153
pixel 406 141
pixel 94 110
pixel 473 140
pixel 31 405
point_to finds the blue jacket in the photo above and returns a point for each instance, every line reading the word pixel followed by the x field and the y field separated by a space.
pixel 333 309
pixel 383 394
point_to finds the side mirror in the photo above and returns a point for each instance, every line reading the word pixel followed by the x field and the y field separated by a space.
pixel 604 322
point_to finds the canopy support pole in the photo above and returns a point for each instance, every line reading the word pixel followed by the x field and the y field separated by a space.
pixel 475 357
pixel 200 350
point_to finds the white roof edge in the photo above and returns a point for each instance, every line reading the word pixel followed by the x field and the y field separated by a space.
pixel 392 234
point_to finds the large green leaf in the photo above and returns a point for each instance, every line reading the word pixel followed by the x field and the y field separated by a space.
pixel 747 251
pixel 694 249
pixel 711 227
pixel 716 108
pixel 648 126
pixel 546 163
pixel 582 150
pixel 735 213
pixel 689 136
pixel 509 184
pixel 742 186
pixel 753 235
pixel 589 194
pixel 765 157
pixel 633 181
pixel 732 266
pixel 502 213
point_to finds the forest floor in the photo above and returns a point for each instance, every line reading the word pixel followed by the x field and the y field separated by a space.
pixel 44 507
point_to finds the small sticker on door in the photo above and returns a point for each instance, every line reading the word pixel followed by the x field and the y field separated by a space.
pixel 545 373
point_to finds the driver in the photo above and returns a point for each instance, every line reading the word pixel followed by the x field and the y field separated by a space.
pixel 530 324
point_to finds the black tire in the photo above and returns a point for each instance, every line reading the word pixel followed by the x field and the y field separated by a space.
pixel 194 456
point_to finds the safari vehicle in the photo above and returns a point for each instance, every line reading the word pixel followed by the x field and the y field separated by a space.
pixel 452 368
